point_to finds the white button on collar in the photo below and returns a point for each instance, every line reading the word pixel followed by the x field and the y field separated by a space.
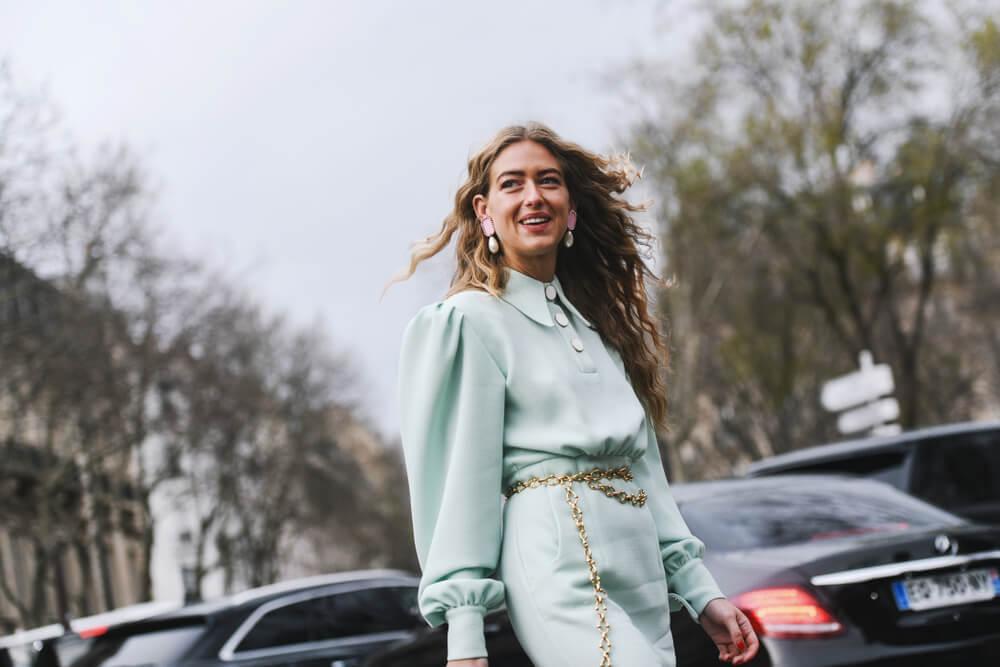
pixel 577 344
pixel 561 319
pixel 550 292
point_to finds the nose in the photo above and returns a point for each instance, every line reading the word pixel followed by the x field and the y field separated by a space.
pixel 532 195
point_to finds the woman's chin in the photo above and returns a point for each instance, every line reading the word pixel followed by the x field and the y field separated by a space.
pixel 539 245
pixel 539 252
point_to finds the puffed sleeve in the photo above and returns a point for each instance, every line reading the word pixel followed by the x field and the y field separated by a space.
pixel 690 583
pixel 452 411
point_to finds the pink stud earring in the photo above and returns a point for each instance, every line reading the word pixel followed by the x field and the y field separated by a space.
pixel 490 231
pixel 570 226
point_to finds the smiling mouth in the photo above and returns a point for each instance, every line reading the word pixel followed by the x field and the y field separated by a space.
pixel 536 220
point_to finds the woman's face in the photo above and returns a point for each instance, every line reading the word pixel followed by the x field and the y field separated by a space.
pixel 529 204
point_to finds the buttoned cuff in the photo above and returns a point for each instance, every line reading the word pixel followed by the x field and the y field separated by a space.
pixel 692 587
pixel 465 632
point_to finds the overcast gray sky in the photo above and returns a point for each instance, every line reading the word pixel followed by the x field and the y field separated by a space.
pixel 305 144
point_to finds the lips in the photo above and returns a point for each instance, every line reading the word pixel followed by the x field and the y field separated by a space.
pixel 534 220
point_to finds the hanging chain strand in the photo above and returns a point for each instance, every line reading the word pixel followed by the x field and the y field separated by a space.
pixel 600 606
pixel 593 480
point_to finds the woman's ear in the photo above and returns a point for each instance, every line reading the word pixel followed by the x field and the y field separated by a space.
pixel 479 206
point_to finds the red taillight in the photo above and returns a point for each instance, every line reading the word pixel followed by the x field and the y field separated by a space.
pixel 787 612
pixel 96 631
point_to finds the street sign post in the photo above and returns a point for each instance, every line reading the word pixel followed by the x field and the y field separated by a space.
pixel 868 416
pixel 865 395
pixel 866 384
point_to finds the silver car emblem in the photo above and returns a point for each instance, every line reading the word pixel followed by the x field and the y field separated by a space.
pixel 943 544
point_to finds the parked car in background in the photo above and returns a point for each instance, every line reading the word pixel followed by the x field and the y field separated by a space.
pixel 831 570
pixel 843 571
pixel 325 621
pixel 956 467
pixel 55 645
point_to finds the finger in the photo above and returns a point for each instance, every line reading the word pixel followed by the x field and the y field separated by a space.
pixel 740 659
pixel 753 644
pixel 725 651
pixel 728 652
pixel 735 633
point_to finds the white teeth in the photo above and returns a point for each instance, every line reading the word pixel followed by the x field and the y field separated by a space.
pixel 534 221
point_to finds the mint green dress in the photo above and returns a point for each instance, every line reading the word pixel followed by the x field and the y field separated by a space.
pixel 494 392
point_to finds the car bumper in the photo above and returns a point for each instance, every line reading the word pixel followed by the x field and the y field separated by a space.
pixel 849 652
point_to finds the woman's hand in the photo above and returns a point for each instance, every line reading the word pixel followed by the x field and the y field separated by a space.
pixel 471 662
pixel 731 631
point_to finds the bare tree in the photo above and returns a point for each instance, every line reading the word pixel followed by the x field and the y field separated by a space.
pixel 816 204
pixel 124 367
pixel 261 422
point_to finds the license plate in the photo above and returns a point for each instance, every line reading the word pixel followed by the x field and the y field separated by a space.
pixel 943 590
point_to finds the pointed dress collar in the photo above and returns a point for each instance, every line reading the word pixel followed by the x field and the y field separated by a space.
pixel 528 295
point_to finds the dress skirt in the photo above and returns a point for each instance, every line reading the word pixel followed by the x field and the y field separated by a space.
pixel 549 594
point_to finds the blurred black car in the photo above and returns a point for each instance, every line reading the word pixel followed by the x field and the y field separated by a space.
pixel 55 645
pixel 832 571
pixel 956 467
pixel 326 621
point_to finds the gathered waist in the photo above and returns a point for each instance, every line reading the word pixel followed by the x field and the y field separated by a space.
pixel 563 465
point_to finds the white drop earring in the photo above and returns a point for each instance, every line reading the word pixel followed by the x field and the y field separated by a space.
pixel 570 226
pixel 491 234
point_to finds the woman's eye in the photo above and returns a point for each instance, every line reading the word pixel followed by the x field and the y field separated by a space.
pixel 508 183
pixel 551 179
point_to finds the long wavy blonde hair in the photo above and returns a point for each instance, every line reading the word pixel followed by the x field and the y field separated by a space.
pixel 603 274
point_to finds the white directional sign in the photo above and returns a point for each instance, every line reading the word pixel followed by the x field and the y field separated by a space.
pixel 866 384
pixel 868 416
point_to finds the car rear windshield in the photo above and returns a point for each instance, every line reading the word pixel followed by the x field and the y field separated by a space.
pixel 796 512
pixel 148 649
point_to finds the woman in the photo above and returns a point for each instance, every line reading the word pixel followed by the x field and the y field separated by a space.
pixel 537 379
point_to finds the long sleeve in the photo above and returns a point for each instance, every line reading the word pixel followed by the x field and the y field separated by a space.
pixel 452 414
pixel 690 583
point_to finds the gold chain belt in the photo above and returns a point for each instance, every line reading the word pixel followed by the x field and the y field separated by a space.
pixel 593 480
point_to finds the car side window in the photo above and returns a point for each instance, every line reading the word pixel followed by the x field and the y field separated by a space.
pixel 333 616
pixel 958 472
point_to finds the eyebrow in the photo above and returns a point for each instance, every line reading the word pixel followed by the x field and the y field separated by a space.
pixel 518 172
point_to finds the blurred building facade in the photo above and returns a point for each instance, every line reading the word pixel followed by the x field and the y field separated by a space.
pixel 71 523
